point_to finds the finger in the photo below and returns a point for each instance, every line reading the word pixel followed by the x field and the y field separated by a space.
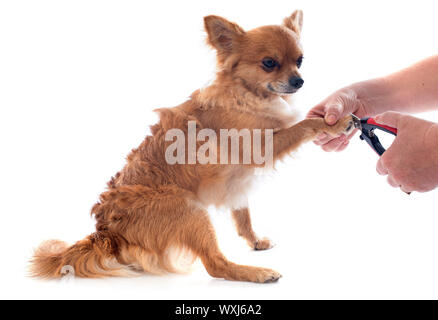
pixel 343 146
pixel 320 143
pixel 329 139
pixel 333 145
pixel 389 119
pixel 381 169
pixel 316 112
pixel 392 182
pixel 333 113
pixel 345 141
pixel 406 189
pixel 323 139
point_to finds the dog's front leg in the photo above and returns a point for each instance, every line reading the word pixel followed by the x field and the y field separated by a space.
pixel 287 140
pixel 242 220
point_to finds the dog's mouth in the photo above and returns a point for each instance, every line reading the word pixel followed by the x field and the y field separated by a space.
pixel 283 90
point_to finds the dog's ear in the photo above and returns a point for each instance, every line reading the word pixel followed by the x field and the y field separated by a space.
pixel 222 34
pixel 294 22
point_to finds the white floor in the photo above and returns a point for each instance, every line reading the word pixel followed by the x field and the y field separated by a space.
pixel 340 234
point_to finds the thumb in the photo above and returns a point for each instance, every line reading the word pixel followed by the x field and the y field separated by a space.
pixel 333 113
pixel 390 119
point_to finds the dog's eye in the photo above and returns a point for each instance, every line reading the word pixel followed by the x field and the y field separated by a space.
pixel 299 61
pixel 269 63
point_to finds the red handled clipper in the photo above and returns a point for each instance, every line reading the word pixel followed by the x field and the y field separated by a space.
pixel 367 127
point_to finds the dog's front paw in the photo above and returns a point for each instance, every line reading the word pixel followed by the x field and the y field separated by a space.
pixel 263 244
pixel 343 126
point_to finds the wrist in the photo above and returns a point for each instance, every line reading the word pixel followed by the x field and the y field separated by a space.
pixel 373 97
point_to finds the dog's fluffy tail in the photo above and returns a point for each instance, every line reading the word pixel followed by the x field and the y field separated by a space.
pixel 93 257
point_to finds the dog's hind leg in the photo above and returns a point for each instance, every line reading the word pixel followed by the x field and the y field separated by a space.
pixel 201 239
pixel 154 222
pixel 242 220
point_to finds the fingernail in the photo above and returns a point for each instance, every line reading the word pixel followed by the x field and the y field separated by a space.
pixel 331 118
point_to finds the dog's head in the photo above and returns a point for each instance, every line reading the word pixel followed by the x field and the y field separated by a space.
pixel 265 59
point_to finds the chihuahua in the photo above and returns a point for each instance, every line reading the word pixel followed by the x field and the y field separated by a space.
pixel 153 210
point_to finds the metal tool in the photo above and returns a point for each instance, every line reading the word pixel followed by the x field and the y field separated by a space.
pixel 367 127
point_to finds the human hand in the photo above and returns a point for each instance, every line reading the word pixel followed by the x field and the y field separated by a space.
pixel 411 162
pixel 333 108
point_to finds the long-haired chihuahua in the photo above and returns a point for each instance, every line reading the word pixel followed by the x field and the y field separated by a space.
pixel 155 207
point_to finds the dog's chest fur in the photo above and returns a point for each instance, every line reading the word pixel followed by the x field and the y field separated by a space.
pixel 219 185
pixel 229 190
pixel 230 186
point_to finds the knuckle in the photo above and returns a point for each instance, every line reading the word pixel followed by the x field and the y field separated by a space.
pixel 395 176
pixel 409 186
pixel 417 185
pixel 380 169
pixel 423 189
pixel 385 161
pixel 327 148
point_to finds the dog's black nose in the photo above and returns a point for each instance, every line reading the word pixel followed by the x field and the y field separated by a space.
pixel 296 82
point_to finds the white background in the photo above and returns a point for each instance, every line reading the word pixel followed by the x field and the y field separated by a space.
pixel 79 81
